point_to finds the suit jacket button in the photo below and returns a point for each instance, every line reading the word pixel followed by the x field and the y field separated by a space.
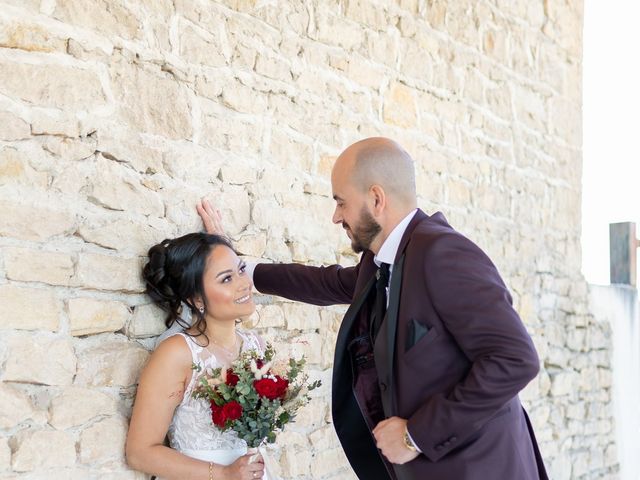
pixel 439 447
pixel 447 443
pixel 454 439
pixel 383 386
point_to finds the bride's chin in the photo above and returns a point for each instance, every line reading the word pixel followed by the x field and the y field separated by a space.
pixel 248 309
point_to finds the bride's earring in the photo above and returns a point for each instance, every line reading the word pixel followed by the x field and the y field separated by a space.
pixel 201 310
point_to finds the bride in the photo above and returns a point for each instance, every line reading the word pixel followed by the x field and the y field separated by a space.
pixel 203 272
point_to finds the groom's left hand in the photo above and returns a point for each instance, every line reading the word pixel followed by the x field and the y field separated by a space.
pixel 389 435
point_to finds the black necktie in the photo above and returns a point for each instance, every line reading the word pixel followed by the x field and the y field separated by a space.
pixel 380 308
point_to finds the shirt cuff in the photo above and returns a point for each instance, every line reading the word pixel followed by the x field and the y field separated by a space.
pixel 414 443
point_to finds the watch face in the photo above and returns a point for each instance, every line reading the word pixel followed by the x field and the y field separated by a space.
pixel 407 441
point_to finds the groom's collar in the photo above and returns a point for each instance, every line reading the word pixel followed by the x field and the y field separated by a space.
pixel 389 248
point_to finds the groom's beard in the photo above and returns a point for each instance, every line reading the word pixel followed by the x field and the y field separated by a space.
pixel 365 231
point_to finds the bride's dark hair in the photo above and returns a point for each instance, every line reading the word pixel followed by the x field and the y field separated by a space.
pixel 173 276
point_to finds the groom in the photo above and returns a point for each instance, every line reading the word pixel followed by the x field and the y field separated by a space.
pixel 430 356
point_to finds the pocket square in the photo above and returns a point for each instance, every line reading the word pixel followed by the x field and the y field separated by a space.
pixel 416 332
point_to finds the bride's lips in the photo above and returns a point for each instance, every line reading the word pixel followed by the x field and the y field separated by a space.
pixel 243 299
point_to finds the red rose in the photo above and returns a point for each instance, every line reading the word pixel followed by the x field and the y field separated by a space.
pixel 232 378
pixel 232 410
pixel 218 415
pixel 271 389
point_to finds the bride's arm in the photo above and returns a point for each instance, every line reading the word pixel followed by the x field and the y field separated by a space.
pixel 160 391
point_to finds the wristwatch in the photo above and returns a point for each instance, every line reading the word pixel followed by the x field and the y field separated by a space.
pixel 407 441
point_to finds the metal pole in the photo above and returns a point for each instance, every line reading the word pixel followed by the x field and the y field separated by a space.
pixel 623 245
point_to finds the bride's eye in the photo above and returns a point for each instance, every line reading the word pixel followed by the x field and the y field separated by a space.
pixel 243 268
pixel 226 279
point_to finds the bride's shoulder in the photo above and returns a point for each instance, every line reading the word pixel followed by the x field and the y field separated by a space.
pixel 173 349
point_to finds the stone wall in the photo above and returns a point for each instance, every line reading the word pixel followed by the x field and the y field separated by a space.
pixel 116 116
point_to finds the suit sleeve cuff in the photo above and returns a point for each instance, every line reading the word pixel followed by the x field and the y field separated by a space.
pixel 251 268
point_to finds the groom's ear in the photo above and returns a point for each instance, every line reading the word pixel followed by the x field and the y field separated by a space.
pixel 378 197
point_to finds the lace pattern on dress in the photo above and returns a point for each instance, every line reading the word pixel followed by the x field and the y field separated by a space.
pixel 192 427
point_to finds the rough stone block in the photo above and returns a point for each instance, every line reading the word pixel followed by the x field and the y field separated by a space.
pixel 296 462
pixel 30 37
pixel 273 67
pixel 58 86
pixel 147 321
pixel 124 234
pixel 400 107
pixel 5 453
pixel 15 407
pixel 30 265
pixel 334 30
pixel 238 173
pixel 45 221
pixel 88 316
pixel 63 125
pixel 301 317
pixel 119 188
pixel 126 147
pixel 29 308
pixel 252 245
pixel 235 209
pixel 564 383
pixel 112 17
pixel 52 361
pixel 240 135
pixel 108 272
pixel 111 363
pixel 103 441
pixel 42 449
pixel 70 148
pixel 327 462
pixel 76 406
pixel 152 103
pixel 313 414
pixel 270 316
pixel 196 49
pixel 12 127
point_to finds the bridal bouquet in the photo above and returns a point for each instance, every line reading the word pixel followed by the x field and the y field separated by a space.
pixel 256 396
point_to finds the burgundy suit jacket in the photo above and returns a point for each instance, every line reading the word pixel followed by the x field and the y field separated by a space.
pixel 451 356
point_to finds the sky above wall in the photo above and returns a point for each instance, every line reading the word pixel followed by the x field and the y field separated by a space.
pixel 611 129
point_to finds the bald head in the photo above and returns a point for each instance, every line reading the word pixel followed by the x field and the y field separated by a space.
pixel 380 161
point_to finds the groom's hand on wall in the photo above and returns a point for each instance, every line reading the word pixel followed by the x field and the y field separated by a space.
pixel 389 435
pixel 211 218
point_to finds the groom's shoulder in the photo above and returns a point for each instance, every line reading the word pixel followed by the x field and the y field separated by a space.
pixel 430 228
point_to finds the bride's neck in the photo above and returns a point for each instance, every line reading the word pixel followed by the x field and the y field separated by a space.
pixel 221 332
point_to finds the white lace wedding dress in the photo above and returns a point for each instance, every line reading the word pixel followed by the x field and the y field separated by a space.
pixel 192 431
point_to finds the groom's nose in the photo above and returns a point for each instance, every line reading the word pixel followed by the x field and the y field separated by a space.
pixel 337 218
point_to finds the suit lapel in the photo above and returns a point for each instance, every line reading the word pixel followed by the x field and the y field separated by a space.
pixel 391 328
pixel 385 347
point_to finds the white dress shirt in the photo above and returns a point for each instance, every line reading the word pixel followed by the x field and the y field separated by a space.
pixel 389 248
